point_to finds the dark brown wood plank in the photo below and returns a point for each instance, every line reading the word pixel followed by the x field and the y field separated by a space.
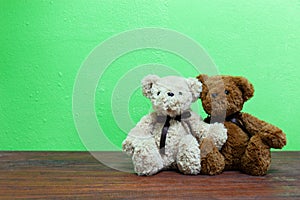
pixel 80 175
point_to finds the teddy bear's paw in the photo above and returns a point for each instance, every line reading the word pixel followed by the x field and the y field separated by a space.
pixel 276 140
pixel 218 133
pixel 147 171
pixel 188 156
pixel 127 146
pixel 146 159
pixel 188 164
pixel 147 166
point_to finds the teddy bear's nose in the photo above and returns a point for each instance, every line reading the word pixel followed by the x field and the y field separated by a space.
pixel 214 95
pixel 170 94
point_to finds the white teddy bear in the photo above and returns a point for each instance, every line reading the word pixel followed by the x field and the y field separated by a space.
pixel 169 137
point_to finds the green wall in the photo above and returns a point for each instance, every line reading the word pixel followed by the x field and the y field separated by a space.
pixel 44 43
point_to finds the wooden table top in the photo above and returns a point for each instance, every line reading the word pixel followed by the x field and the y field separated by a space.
pixel 79 175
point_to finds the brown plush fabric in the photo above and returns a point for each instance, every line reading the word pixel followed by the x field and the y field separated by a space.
pixel 249 139
pixel 212 161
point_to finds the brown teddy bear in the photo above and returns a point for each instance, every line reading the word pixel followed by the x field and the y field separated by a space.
pixel 249 139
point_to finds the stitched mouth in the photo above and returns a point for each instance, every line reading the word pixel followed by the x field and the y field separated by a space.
pixel 169 110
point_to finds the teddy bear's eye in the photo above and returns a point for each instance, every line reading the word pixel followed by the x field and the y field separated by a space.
pixel 180 93
pixel 158 93
pixel 226 92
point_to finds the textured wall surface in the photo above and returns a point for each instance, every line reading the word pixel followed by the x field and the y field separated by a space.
pixel 44 43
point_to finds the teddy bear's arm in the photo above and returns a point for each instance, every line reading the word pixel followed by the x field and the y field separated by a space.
pixel 217 132
pixel 270 134
pixel 193 123
pixel 142 131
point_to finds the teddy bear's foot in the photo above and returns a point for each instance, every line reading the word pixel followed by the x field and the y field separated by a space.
pixel 212 161
pixel 146 159
pixel 188 157
pixel 257 158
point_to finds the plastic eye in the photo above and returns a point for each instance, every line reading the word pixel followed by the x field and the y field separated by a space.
pixel 158 93
pixel 170 94
pixel 226 92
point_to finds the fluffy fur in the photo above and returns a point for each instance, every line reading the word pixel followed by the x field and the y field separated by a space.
pixel 249 138
pixel 171 96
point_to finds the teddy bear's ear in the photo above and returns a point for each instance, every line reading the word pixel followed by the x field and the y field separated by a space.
pixel 202 78
pixel 147 83
pixel 245 86
pixel 195 87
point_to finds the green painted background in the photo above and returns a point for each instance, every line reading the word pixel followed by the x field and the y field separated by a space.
pixel 43 44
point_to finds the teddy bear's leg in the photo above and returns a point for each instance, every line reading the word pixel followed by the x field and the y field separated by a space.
pixel 257 158
pixel 146 158
pixel 212 161
pixel 188 156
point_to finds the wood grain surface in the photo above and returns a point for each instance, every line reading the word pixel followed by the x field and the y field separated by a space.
pixel 78 175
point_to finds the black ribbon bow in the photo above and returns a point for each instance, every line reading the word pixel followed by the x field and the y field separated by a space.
pixel 234 118
pixel 165 129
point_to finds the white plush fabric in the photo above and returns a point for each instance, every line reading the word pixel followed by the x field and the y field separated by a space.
pixel 170 96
